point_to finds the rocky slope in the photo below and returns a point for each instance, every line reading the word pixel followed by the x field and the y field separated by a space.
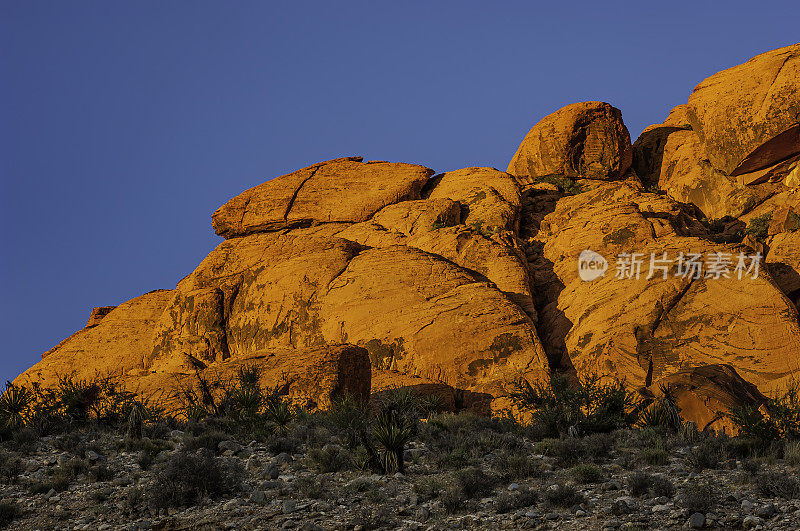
pixel 469 280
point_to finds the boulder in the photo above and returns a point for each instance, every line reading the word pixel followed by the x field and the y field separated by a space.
pixel 783 261
pixel 583 140
pixel 784 219
pixel 645 329
pixel 339 190
pixel 748 116
pixel 708 393
pixel 490 199
pixel 686 176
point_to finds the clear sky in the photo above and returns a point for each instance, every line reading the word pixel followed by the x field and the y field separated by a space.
pixel 124 125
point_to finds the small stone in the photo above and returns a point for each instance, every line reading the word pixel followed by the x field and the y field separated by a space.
pixel 258 496
pixel 93 456
pixel 272 471
pixel 660 508
pixel 751 521
pixel 229 446
pixel 513 486
pixel 696 521
pixel 288 507
pixel 747 505
pixel 766 511
pixel 281 458
pixel 579 513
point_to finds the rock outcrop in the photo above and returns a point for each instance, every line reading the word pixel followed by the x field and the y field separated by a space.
pixel 353 277
pixel 584 140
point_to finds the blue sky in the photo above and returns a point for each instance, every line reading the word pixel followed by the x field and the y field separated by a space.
pixel 124 125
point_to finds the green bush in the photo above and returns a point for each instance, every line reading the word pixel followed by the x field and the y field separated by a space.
pixel 474 482
pixel 586 473
pixel 699 498
pixel 780 485
pixel 8 513
pixel 331 458
pixel 707 454
pixel 758 227
pixel 187 477
pixel 428 488
pixel 588 406
pixel 452 498
pixel 780 422
pixel 655 456
pixel 510 501
pixel 564 496
pixel 565 184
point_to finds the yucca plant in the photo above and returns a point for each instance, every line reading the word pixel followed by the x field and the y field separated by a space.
pixel 77 398
pixel 280 416
pixel 663 412
pixel 392 432
pixel 15 406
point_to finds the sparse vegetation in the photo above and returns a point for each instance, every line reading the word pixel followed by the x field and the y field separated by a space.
pixel 758 227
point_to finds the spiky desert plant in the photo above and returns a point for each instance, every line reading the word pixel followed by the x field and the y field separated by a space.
pixel 15 406
pixel 392 433
pixel 280 416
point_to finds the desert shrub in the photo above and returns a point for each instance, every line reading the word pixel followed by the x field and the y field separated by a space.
pixel 641 483
pixel 428 488
pixel 791 453
pixel 8 513
pixel 278 445
pixel 751 466
pixel 10 468
pixel 452 498
pixel 780 422
pixel 655 456
pixel 698 498
pixel 60 479
pixel 587 473
pixel 100 473
pixel 23 440
pixel 662 486
pixel 776 484
pixel 458 441
pixel 144 459
pixel 511 467
pixel 566 185
pixel 510 501
pixel 187 477
pixel 474 482
pixel 77 398
pixel 311 487
pixel 331 458
pixel 588 406
pixel 563 496
pixel 209 440
pixel 570 450
pixel 707 454
pixel 349 418
pixel 758 227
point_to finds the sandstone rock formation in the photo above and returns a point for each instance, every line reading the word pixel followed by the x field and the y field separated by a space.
pixel 583 140
pixel 351 277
